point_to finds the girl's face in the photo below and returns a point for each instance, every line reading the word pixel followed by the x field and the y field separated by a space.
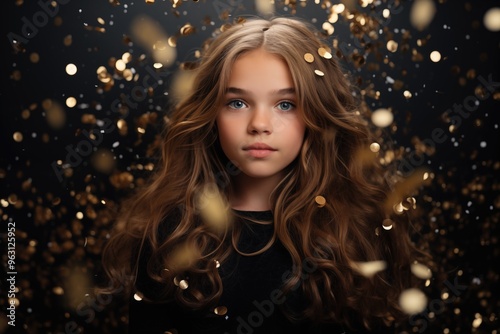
pixel 260 127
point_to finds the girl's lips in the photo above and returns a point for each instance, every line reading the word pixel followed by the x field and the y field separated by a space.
pixel 259 153
pixel 259 150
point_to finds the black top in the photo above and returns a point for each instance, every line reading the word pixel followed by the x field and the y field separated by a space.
pixel 252 294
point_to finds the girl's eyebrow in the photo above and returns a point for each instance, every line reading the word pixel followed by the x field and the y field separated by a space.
pixel 240 91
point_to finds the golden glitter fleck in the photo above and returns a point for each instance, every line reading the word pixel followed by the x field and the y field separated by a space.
pixel 382 117
pixel 220 310
pixel 375 147
pixel 435 56
pixel 392 46
pixel 68 40
pixel 120 65
pixel 34 57
pixel 150 1
pixel 328 28
pixel 370 268
pixel 333 17
pixel 412 301
pixel 17 136
pixel 398 209
pixel 213 208
pixel 54 113
pixel 421 271
pixel 70 102
pixel 407 94
pixel 338 8
pixel 477 322
pixel 377 231
pixel 422 13
pixel 79 215
pixel 491 19
pixel 187 29
pixel 264 7
pixel 319 73
pixel 176 281
pixel 217 263
pixel 103 160
pixel 138 296
pixel 325 52
pixel 320 200
pixel 309 57
pixel 57 290
pixel 71 69
pixel 101 20
pixel 386 13
pixel 183 284
pixel 387 224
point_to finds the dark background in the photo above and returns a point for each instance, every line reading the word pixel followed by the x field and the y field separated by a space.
pixel 61 224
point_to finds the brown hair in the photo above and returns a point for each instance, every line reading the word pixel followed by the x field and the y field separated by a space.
pixel 332 238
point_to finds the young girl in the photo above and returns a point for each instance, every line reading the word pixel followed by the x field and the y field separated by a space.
pixel 264 205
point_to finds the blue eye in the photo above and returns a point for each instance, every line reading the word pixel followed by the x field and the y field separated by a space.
pixel 286 106
pixel 236 104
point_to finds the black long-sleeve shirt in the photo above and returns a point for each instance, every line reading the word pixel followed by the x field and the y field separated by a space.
pixel 252 294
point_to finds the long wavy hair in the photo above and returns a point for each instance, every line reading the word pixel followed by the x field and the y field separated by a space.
pixel 331 238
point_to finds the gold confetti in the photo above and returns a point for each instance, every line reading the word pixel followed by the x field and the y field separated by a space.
pixel 491 19
pixel 71 69
pixel 309 57
pixel 213 208
pixel 370 268
pixel 412 301
pixel 138 296
pixel 17 136
pixel 264 7
pixel 70 102
pixel 183 284
pixel 320 200
pixel 319 73
pixel 387 224
pixel 325 52
pixel 328 28
pixel 374 147
pixel 220 310
pixel 422 13
pixel 54 113
pixel 435 56
pixel 392 46
pixel 421 271
pixel 382 117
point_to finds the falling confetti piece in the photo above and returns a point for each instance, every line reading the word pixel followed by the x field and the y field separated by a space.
pixel 491 19
pixel 309 57
pixel 220 310
pixel 435 56
pixel 71 69
pixel 421 271
pixel 264 7
pixel 382 117
pixel 412 301
pixel 370 268
pixel 320 200
pixel 319 73
pixel 422 13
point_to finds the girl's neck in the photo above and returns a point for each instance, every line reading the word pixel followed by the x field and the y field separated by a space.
pixel 253 194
